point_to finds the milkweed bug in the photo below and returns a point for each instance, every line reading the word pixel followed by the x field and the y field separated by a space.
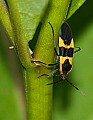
pixel 65 55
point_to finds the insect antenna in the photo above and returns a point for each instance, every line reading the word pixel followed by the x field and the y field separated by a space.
pixel 52 29
pixel 54 82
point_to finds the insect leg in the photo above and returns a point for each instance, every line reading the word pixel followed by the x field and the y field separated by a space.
pixel 54 82
pixel 50 74
pixel 77 49
pixel 44 63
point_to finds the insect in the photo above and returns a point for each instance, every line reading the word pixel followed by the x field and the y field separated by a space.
pixel 65 55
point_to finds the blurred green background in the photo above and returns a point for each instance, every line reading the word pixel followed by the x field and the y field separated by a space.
pixel 68 104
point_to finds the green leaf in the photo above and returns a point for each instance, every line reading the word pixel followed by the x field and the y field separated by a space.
pixel 26 15
pixel 74 6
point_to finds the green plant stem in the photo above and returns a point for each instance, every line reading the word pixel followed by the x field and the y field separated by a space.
pixel 5 20
pixel 38 94
pixel 39 97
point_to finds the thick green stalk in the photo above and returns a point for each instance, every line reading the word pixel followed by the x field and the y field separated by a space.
pixel 5 20
pixel 39 97
pixel 38 94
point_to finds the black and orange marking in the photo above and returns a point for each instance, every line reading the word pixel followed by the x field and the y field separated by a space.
pixel 66 51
